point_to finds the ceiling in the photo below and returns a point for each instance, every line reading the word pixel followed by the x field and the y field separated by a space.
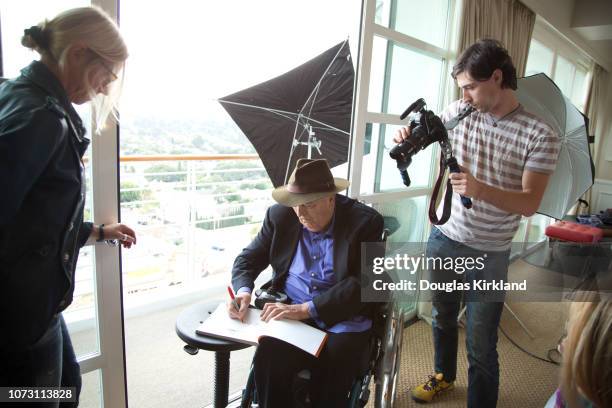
pixel 592 21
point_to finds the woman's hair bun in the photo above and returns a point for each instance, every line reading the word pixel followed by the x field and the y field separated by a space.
pixel 35 37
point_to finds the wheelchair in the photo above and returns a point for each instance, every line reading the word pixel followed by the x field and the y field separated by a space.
pixel 384 361
pixel 383 364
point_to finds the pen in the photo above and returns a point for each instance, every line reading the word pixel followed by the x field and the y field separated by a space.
pixel 231 293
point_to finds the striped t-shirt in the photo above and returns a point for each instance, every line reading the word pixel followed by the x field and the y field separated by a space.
pixel 496 152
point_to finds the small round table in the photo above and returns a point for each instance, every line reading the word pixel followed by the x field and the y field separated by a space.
pixel 186 323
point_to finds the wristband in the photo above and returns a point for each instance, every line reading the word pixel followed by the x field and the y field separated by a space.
pixel 100 233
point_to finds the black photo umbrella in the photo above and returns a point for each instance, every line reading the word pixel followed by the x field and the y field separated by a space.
pixel 574 173
pixel 305 112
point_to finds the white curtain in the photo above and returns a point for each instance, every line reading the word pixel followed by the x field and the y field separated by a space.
pixel 594 111
pixel 597 95
pixel 508 21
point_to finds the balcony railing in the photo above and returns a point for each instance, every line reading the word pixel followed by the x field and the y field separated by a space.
pixel 192 214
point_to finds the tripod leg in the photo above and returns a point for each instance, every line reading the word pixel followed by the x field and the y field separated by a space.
pixel 531 336
pixel 461 313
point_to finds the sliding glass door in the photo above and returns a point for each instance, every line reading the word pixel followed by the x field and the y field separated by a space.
pixel 404 55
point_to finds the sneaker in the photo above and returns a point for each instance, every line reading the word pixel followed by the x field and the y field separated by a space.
pixel 426 392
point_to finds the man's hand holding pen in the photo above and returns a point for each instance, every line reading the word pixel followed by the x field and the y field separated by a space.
pixel 237 307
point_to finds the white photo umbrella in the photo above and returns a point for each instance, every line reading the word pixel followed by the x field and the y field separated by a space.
pixel 574 173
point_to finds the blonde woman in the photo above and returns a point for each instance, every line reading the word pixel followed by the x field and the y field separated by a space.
pixel 42 141
pixel 586 374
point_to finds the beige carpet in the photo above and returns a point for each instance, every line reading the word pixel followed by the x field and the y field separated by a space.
pixel 161 374
pixel 525 382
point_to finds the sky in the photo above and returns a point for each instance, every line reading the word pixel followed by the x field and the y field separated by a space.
pixel 199 51
pixel 189 54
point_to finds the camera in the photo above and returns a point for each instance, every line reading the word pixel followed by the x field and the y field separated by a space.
pixel 263 296
pixel 424 130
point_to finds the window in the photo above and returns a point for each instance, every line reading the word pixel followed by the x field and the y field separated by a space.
pixel 413 18
pixel 407 74
pixel 540 59
pixel 562 62
pixel 405 56
pixel 407 62
pixel 194 209
pixel 19 16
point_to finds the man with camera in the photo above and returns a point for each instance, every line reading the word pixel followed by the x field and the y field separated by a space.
pixel 312 239
pixel 506 156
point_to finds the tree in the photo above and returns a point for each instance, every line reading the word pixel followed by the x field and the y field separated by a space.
pixel 165 168
pixel 198 141
pixel 132 195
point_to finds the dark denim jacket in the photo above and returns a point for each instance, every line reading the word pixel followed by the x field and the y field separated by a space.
pixel 42 196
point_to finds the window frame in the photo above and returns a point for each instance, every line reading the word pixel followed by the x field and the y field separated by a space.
pixel 560 46
pixel 362 116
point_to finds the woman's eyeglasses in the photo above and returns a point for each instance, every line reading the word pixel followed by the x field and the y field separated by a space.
pixel 108 69
pixel 102 62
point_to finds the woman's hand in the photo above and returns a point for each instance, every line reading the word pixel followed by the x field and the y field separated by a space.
pixel 124 234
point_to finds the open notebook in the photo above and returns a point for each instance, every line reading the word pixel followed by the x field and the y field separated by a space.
pixel 299 334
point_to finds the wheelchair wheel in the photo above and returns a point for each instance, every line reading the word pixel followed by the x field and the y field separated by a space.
pixel 354 401
pixel 249 393
pixel 388 368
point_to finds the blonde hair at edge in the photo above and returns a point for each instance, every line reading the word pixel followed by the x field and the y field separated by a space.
pixel 587 353
pixel 93 27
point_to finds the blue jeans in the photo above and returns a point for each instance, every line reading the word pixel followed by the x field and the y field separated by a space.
pixel 482 316
pixel 50 362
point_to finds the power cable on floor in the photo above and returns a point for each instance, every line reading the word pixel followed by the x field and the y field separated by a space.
pixel 549 354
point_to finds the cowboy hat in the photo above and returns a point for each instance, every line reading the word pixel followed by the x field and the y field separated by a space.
pixel 310 181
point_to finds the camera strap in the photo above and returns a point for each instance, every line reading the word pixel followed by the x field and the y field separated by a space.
pixel 448 197
pixel 444 161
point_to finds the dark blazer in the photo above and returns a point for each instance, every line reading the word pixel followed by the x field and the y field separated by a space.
pixel 42 191
pixel 276 243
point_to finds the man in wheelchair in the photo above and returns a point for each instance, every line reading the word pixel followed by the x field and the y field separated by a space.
pixel 312 239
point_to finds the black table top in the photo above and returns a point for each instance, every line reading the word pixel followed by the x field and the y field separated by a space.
pixel 190 318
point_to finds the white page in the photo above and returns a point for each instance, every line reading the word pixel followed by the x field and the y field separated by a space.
pixel 301 335
pixel 219 324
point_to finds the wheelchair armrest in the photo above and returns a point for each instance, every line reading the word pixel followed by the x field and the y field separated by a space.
pixel 387 368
